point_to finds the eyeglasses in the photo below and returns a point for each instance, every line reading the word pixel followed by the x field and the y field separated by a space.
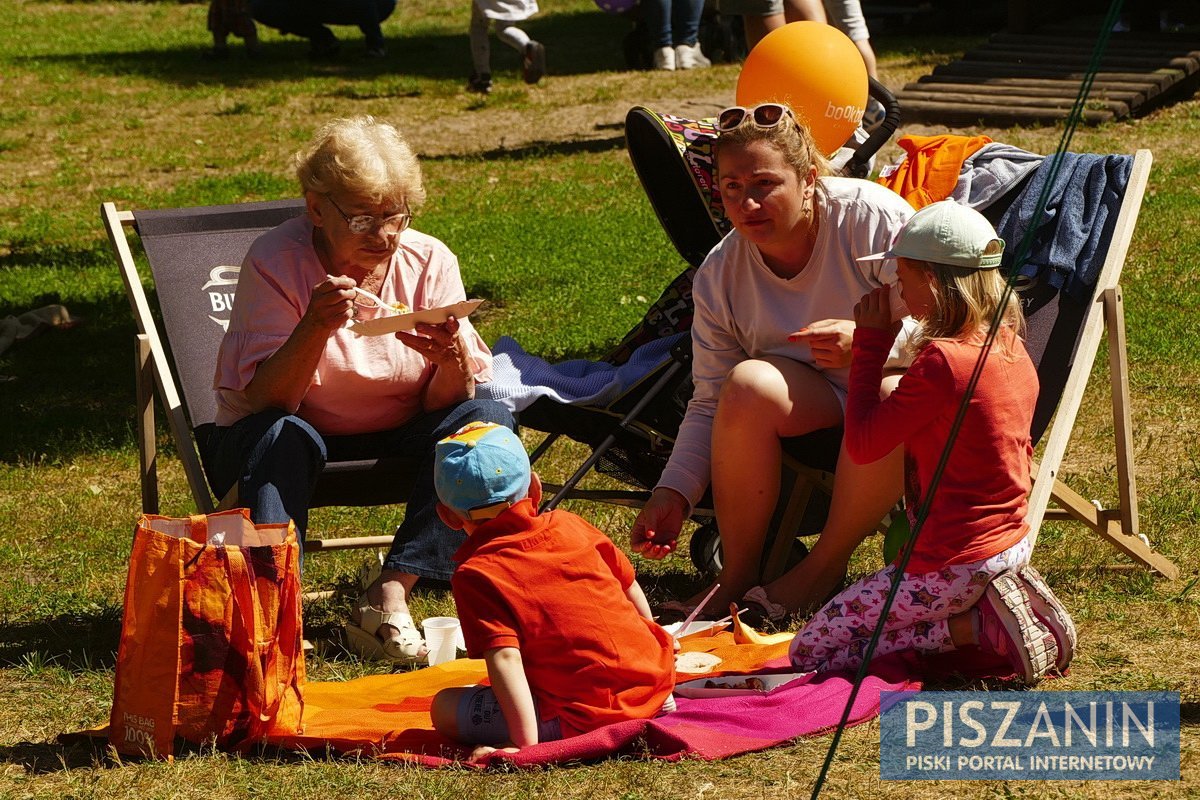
pixel 764 115
pixel 365 223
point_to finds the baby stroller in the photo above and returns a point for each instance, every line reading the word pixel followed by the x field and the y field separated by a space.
pixel 631 436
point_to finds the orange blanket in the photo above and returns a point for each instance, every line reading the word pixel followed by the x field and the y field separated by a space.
pixel 389 714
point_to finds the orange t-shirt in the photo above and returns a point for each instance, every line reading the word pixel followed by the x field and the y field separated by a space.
pixel 553 586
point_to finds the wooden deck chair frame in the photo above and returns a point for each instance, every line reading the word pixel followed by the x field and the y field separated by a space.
pixel 155 377
pixel 1119 526
pixel 1051 498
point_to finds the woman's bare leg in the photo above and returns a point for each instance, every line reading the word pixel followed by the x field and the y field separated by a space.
pixel 802 10
pixel 756 27
pixel 762 401
pixel 862 494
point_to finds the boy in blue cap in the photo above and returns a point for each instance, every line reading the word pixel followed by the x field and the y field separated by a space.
pixel 549 603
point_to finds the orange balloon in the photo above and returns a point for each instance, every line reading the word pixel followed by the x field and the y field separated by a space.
pixel 815 69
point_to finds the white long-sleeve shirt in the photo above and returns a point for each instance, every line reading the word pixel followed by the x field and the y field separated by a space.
pixel 746 311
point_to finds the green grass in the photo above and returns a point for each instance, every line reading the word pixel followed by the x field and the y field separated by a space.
pixel 534 192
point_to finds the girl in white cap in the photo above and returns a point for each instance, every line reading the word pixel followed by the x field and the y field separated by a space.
pixel 963 582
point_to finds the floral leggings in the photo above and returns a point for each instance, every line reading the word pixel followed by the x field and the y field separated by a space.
pixel 837 635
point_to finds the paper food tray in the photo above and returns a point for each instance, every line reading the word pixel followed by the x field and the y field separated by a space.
pixel 406 322
pixel 725 683
pixel 695 628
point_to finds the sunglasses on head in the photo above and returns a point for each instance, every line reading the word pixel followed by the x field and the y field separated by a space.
pixel 764 115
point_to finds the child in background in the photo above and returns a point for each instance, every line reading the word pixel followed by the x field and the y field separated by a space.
pixel 504 13
pixel 547 601
pixel 968 580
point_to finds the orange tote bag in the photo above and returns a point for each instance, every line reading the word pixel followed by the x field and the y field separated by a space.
pixel 211 641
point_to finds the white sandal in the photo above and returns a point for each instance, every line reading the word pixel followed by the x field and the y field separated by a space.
pixel 408 648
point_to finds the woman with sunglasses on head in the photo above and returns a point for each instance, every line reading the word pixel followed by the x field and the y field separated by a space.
pixel 771 356
pixel 296 388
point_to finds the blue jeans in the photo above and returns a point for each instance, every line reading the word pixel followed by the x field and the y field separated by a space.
pixel 276 458
pixel 308 18
pixel 672 22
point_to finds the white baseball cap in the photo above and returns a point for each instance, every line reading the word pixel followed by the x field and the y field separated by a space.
pixel 946 232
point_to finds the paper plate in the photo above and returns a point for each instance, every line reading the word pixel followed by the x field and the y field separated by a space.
pixel 406 322
pixel 729 685
pixel 695 628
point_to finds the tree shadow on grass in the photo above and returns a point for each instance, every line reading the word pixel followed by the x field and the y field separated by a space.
pixel 42 758
pixel 69 391
pixel 76 642
pixel 577 44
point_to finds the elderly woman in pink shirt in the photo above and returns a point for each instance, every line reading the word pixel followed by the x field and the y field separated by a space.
pixel 295 387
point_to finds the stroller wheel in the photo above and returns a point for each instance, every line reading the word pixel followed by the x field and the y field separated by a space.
pixel 705 550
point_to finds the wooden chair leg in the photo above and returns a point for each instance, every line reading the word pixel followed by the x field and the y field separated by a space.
pixel 147 446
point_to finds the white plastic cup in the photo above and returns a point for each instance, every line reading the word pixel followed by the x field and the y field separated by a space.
pixel 441 639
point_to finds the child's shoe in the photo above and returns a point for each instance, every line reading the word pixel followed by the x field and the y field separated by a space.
pixel 533 64
pixel 480 82
pixel 1008 628
pixel 1051 613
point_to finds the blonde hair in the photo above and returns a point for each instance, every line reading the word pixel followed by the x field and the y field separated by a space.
pixel 794 141
pixel 361 157
pixel 965 301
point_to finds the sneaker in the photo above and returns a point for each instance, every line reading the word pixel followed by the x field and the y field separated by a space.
pixel 1008 628
pixel 480 82
pixel 690 56
pixel 533 64
pixel 1051 613
pixel 664 58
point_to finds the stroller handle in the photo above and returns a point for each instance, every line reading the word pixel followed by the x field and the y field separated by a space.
pixel 858 165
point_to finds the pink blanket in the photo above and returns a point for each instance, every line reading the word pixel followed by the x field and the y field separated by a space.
pixel 705 728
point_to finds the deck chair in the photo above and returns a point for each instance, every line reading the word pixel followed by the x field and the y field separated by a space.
pixel 1063 336
pixel 194 256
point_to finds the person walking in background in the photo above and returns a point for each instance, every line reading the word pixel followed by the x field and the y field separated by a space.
pixel 674 30
pixel 309 18
pixel 503 13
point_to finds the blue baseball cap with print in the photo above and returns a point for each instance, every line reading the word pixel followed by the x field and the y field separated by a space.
pixel 481 470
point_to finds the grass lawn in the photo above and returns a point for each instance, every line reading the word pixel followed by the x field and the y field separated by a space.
pixel 533 190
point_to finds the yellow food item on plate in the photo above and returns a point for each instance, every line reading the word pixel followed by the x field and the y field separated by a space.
pixel 744 634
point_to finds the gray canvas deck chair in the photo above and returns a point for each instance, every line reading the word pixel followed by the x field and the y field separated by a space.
pixel 194 256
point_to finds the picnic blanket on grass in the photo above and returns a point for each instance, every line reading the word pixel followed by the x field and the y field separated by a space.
pixel 387 716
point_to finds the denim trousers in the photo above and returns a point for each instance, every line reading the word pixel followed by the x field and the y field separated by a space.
pixel 276 458
pixel 308 18
pixel 672 22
